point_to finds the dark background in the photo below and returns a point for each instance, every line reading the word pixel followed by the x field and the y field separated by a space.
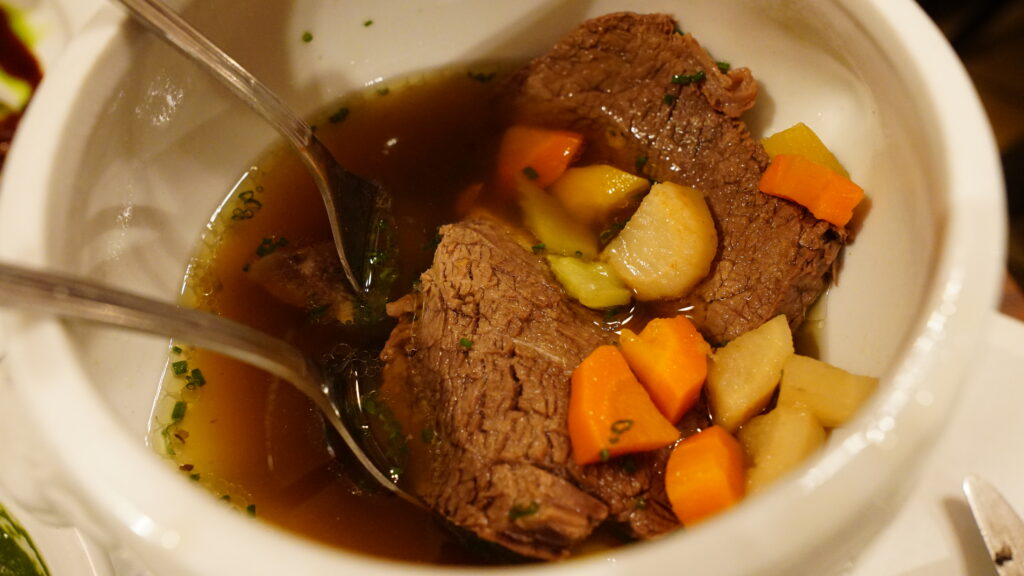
pixel 989 37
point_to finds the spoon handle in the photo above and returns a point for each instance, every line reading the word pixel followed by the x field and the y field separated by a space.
pixel 66 296
pixel 169 26
pixel 72 297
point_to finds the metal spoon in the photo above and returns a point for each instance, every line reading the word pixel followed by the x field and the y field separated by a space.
pixel 71 297
pixel 353 203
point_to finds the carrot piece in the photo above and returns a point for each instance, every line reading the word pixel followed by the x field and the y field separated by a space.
pixel 705 475
pixel 825 193
pixel 538 154
pixel 610 413
pixel 670 358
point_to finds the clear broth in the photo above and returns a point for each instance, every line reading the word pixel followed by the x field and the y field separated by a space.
pixel 258 443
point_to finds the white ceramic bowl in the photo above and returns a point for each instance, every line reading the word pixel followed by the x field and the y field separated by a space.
pixel 128 149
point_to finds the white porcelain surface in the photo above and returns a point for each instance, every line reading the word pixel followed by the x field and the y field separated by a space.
pixel 129 149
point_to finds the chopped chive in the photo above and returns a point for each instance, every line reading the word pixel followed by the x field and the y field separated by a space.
pixel 578 254
pixel 639 163
pixel 338 116
pixel 538 248
pixel 179 410
pixel 194 477
pixel 307 36
pixel 482 77
pixel 176 349
pixel 686 79
pixel 195 379
pixel 604 455
pixel 180 367
pixel 723 66
pixel 531 173
pixel 368 23
pixel 251 509
pixel 518 511
pixel 465 342
pixel 669 99
pixel 384 91
pixel 269 245
pixel 620 427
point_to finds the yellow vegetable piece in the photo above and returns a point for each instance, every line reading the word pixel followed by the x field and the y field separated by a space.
pixel 832 394
pixel 668 245
pixel 743 374
pixel 799 139
pixel 777 442
pixel 552 225
pixel 592 194
pixel 594 284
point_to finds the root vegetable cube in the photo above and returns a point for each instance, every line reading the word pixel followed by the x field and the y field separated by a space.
pixel 744 373
pixel 667 247
pixel 831 394
pixel 592 194
pixel 777 442
pixel 592 283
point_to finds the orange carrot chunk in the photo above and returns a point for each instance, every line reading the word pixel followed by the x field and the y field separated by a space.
pixel 670 358
pixel 828 195
pixel 705 475
pixel 610 413
pixel 537 154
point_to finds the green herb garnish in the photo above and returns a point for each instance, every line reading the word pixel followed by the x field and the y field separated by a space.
pixel 251 509
pixel 610 232
pixel 723 66
pixel 538 248
pixel 639 163
pixel 531 173
pixel 465 343
pixel 368 23
pixel 482 77
pixel 669 99
pixel 307 36
pixel 518 511
pixel 686 79
pixel 195 379
pixel 269 245
pixel 339 116
pixel 179 410
pixel 180 367
pixel 604 455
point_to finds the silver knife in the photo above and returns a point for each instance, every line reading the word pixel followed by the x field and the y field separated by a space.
pixel 1001 528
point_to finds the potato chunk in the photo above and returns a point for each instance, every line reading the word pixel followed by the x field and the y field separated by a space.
pixel 592 194
pixel 667 247
pixel 552 225
pixel 592 283
pixel 743 373
pixel 777 442
pixel 831 394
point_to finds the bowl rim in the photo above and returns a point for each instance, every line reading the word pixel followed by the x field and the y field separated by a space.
pixel 958 305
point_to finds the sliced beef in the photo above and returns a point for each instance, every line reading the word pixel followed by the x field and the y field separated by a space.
pixel 644 94
pixel 486 348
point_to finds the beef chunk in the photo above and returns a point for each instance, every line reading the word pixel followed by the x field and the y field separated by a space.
pixel 486 349
pixel 644 94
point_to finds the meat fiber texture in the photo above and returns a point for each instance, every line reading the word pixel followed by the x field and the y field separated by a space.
pixel 486 347
pixel 612 79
